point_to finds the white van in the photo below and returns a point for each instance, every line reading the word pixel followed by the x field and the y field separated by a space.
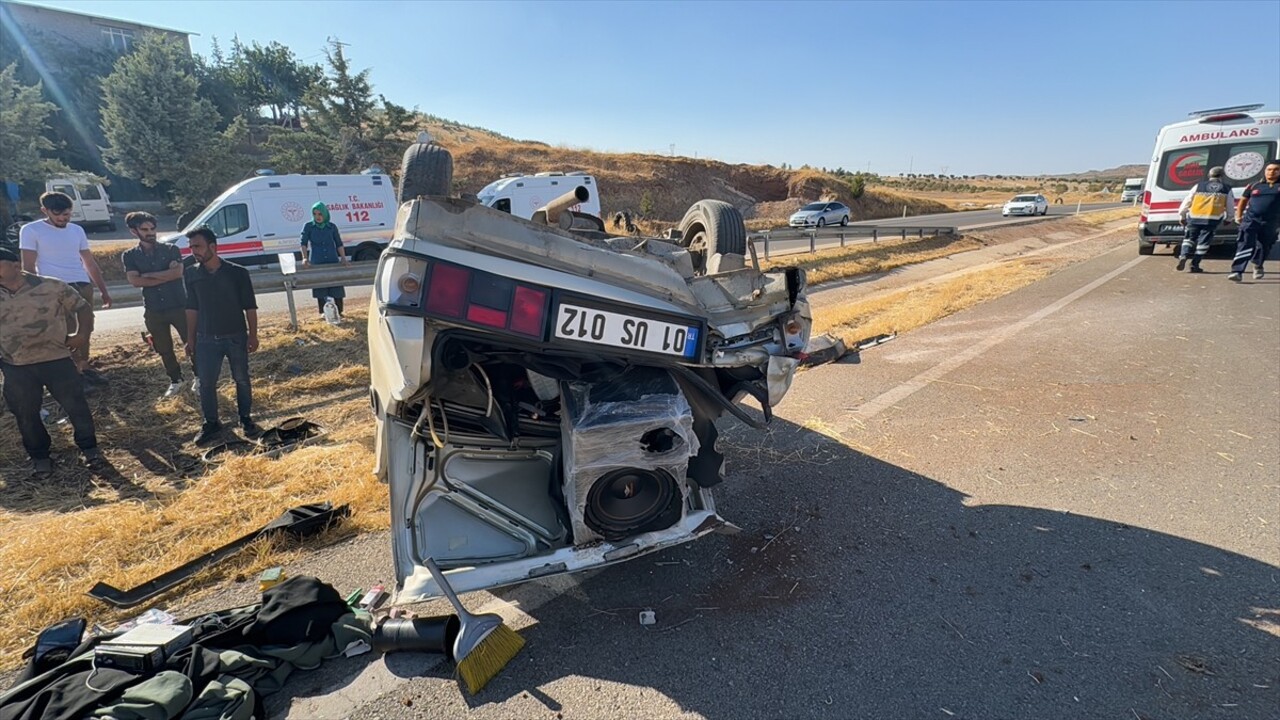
pixel 90 204
pixel 522 195
pixel 261 217
pixel 1240 139
pixel 1132 190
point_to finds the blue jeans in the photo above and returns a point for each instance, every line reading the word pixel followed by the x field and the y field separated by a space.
pixel 210 350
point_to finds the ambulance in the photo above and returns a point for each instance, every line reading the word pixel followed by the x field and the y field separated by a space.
pixel 262 217
pixel 1240 139
pixel 522 195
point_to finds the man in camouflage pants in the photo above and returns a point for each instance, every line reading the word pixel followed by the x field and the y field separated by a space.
pixel 35 353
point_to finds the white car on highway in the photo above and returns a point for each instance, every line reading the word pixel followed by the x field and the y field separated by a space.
pixel 820 214
pixel 1026 205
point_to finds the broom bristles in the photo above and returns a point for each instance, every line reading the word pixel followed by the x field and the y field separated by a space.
pixel 489 657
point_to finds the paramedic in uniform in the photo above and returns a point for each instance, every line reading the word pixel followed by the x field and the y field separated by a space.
pixel 1258 215
pixel 1202 210
pixel 35 354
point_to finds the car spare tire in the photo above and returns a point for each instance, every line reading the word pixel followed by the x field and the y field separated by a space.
pixel 710 227
pixel 427 169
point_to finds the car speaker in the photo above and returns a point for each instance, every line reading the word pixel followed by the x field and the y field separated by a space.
pixel 627 444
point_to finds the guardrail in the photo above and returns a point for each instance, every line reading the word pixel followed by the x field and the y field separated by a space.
pixel 272 280
pixel 841 235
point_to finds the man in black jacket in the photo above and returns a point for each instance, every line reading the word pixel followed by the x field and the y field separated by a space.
pixel 222 322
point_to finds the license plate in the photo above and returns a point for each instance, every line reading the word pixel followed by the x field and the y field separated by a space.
pixel 1171 228
pixel 584 324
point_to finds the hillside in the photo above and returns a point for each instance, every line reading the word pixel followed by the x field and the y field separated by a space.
pixel 1118 172
pixel 765 195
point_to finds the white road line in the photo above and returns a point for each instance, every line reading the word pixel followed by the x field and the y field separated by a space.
pixel 886 400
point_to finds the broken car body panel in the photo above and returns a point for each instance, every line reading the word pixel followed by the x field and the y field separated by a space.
pixel 545 401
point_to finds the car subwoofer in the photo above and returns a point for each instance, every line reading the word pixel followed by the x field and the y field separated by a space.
pixel 627 444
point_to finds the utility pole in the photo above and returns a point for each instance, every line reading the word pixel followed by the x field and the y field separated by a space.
pixel 673 149
pixel 912 165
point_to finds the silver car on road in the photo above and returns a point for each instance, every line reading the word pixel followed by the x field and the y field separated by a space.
pixel 820 214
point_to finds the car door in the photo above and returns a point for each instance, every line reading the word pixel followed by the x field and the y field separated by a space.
pixel 93 203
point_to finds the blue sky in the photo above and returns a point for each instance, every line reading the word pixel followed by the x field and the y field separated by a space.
pixel 956 87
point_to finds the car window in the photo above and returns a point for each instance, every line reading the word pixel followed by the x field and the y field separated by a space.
pixel 1024 198
pixel 67 190
pixel 90 192
pixel 230 220
pixel 503 204
pixel 1183 167
pixel 813 206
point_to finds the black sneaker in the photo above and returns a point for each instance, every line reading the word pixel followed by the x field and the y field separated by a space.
pixel 1182 264
pixel 1196 269
pixel 208 433
pixel 41 467
pixel 250 428
pixel 94 458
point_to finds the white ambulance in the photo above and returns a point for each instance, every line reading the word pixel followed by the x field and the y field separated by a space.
pixel 522 195
pixel 259 218
pixel 1240 139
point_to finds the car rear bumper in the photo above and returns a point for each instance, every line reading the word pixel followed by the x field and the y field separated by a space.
pixel 1171 232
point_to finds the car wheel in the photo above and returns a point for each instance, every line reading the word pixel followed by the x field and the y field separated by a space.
pixel 1004 214
pixel 822 222
pixel 1146 248
pixel 710 227
pixel 426 169
pixel 11 233
pixel 844 221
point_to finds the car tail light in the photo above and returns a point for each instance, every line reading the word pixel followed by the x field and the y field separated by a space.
pixel 485 299
pixel 1146 206
pixel 447 293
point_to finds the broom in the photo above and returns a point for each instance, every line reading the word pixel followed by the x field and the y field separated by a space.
pixel 484 645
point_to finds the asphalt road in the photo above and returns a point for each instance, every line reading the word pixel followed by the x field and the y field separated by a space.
pixel 960 220
pixel 1060 504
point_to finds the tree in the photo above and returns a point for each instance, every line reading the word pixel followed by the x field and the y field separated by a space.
pixel 857 186
pixel 358 128
pixel 24 119
pixel 646 204
pixel 161 132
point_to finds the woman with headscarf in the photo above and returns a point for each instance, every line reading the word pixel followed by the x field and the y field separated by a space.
pixel 322 245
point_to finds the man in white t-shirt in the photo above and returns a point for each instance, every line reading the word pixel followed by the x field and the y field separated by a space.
pixel 56 248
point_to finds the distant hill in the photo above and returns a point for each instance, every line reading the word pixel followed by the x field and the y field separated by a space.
pixel 764 194
pixel 1116 173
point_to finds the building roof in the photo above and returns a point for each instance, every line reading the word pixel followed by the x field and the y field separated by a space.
pixel 96 17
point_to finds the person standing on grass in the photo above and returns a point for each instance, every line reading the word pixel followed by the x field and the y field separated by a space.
pixel 35 354
pixel 157 269
pixel 222 322
pixel 1258 215
pixel 322 245
pixel 1202 210
pixel 57 248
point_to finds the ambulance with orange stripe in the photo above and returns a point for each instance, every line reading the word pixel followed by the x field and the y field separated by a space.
pixel 259 218
pixel 1240 139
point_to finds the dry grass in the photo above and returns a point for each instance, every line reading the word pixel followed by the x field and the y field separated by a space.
pixel 108 257
pixel 158 509
pixel 918 306
pixel 1103 217
pixel 827 265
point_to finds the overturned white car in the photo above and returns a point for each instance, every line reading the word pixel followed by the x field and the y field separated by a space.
pixel 546 395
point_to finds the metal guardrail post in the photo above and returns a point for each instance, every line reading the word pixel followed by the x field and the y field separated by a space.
pixel 841 238
pixel 904 233
pixel 766 244
pixel 289 285
pixel 875 234
pixel 921 233
pixel 813 241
